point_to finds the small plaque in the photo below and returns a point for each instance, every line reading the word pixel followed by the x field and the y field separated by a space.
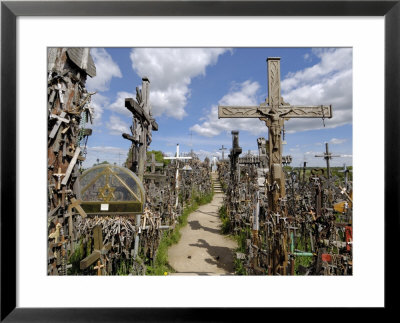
pixel 104 207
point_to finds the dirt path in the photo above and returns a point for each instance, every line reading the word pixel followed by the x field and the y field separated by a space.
pixel 202 249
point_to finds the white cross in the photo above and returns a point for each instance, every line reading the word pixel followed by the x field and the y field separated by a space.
pixel 177 157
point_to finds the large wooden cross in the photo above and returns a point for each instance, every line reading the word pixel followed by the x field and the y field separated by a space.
pixel 274 111
pixel 143 124
pixel 98 253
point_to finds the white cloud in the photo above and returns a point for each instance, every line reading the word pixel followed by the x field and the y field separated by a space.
pixel 99 103
pixel 170 71
pixel 240 94
pixel 187 141
pixel 106 69
pixel 202 154
pixel 117 126
pixel 118 105
pixel 336 141
pixel 328 82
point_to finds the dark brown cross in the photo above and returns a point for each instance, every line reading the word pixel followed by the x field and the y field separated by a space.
pixel 327 156
pixel 274 111
pixel 234 157
pixel 143 124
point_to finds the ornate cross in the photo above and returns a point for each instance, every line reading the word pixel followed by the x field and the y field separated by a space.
pixel 143 125
pixel 274 111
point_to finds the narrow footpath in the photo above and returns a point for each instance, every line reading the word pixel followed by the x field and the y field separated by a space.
pixel 203 249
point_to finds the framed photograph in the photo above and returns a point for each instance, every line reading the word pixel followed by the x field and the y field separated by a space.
pixel 367 31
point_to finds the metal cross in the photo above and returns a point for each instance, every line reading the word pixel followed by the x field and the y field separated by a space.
pixel 327 156
pixel 274 111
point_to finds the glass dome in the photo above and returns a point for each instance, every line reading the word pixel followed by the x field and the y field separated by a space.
pixel 110 189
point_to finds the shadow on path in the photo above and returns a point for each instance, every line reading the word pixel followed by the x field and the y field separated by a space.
pixel 222 256
pixel 195 225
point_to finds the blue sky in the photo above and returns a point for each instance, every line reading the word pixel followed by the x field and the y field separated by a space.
pixel 188 84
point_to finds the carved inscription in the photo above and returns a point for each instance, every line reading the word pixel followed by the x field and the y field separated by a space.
pixel 295 111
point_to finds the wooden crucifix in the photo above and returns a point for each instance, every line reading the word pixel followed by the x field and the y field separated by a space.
pixel 274 111
pixel 143 124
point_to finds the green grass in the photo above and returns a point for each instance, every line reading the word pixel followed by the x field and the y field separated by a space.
pixel 160 264
pixel 240 238
pixel 226 223
pixel 76 257
pixel 239 267
pixel 305 261
pixel 224 186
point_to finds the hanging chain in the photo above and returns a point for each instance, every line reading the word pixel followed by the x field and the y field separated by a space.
pixel 82 125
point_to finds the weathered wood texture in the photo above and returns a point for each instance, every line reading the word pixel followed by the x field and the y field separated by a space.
pixel 69 110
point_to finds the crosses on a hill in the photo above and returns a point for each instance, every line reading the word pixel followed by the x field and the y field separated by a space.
pixel 274 111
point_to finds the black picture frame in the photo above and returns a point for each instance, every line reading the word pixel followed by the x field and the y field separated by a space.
pixel 10 10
